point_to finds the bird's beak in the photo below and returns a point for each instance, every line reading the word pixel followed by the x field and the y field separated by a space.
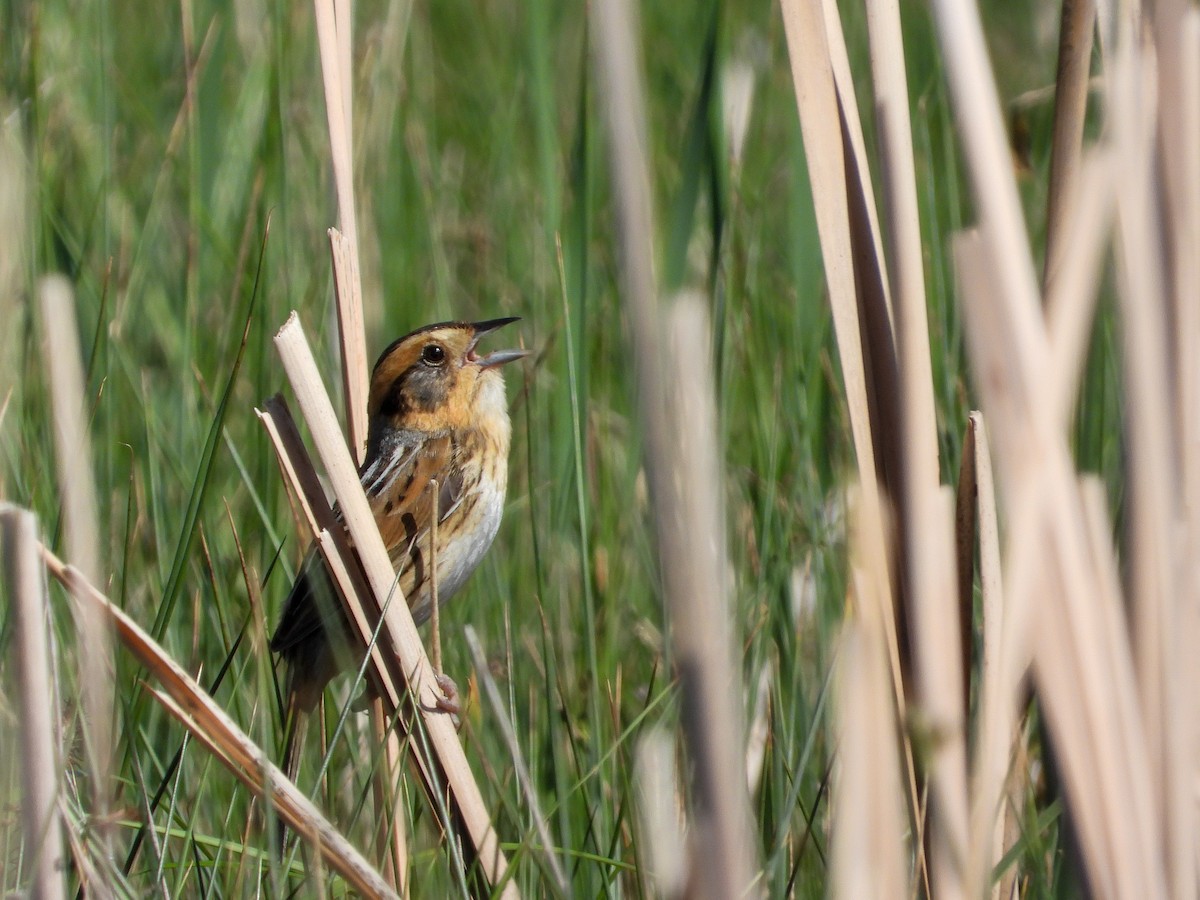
pixel 496 357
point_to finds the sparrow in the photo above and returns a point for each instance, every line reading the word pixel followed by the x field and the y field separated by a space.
pixel 437 416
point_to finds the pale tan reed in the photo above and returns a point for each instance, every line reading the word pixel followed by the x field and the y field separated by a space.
pixel 1123 734
pixel 334 41
pixel 678 420
pixel 813 29
pixel 76 485
pixel 329 537
pixel 41 741
pixel 1078 24
pixel 335 22
pixel 868 798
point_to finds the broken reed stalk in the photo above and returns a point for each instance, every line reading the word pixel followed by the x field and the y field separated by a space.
pixel 402 640
pixel 990 762
pixel 211 725
pixel 335 38
pixel 1077 679
pixel 41 751
pixel 869 858
pixel 320 524
pixel 1049 617
pixel 937 616
pixel 77 489
pixel 683 474
pixel 820 73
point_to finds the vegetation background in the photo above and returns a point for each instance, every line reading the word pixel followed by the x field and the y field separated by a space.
pixel 147 147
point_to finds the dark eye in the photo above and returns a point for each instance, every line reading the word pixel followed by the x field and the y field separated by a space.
pixel 433 355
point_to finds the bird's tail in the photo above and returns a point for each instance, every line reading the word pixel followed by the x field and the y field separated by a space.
pixel 295 725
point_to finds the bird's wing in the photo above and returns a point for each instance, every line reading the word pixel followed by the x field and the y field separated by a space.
pixel 403 513
pixel 397 488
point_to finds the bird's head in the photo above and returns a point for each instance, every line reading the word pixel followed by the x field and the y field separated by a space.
pixel 433 380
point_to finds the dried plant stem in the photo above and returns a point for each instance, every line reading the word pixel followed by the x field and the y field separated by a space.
pixel 679 425
pixel 1083 687
pixel 319 520
pixel 938 663
pixel 996 732
pixel 868 796
pixel 660 811
pixel 41 750
pixel 1152 475
pixel 1077 26
pixel 76 485
pixel 435 617
pixel 400 631
pixel 820 74
pixel 333 37
pixel 348 294
pixel 210 724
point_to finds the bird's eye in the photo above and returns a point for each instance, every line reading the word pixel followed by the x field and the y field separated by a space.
pixel 433 355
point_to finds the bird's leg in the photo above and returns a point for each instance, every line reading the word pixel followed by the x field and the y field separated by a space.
pixel 449 701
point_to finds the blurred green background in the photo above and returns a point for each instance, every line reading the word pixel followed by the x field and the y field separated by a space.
pixel 145 149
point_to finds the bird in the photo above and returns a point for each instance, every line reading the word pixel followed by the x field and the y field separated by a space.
pixel 438 435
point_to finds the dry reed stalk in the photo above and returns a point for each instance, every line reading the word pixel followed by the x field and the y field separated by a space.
pixel 1011 356
pixel 211 725
pixel 347 290
pixel 696 577
pixel 758 735
pixel 868 816
pixel 869 395
pixel 928 549
pixel 905 257
pixel 329 537
pixel 1082 686
pixel 392 829
pixel 41 750
pixel 402 640
pixel 875 300
pixel 683 471
pixel 812 73
pixel 1186 233
pixel 540 823
pixel 76 485
pixel 937 660
pixel 1071 302
pixel 1176 194
pixel 1160 624
pixel 333 37
pixel 1078 24
pixel 660 807
pixel 994 734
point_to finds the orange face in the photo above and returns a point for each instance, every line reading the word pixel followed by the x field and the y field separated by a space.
pixel 432 380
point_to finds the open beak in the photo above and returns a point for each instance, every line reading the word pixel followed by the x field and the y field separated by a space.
pixel 496 357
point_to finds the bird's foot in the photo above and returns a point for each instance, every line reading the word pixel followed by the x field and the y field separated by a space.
pixel 448 701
